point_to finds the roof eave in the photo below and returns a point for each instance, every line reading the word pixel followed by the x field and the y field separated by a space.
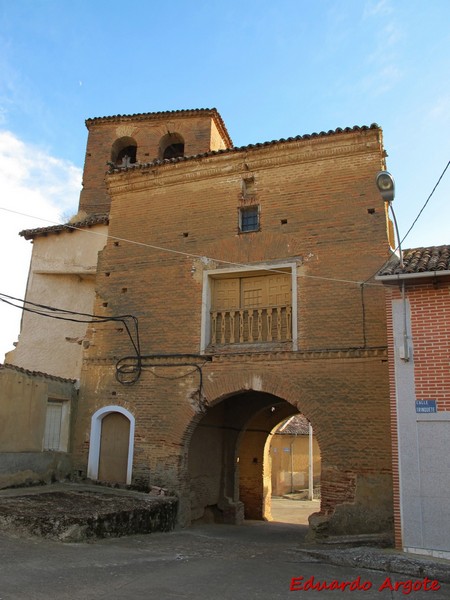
pixel 392 279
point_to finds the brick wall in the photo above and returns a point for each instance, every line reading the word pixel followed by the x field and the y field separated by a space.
pixel 429 307
pixel 430 326
pixel 200 130
pixel 320 211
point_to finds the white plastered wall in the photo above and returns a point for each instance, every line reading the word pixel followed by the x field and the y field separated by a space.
pixel 62 274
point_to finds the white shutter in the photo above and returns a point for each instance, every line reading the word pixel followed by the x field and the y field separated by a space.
pixel 53 426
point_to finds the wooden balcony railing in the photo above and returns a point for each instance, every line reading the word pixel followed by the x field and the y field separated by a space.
pixel 251 325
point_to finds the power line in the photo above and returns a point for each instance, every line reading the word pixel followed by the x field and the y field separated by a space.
pixel 250 267
pixel 62 314
pixel 226 262
pixel 410 229
pixel 426 202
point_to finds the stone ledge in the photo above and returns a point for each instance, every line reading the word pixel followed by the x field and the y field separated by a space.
pixel 80 515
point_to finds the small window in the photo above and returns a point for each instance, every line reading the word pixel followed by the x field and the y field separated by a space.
pixel 52 435
pixel 249 218
pixel 57 426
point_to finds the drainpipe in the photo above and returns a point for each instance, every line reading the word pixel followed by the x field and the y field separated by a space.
pixel 310 464
pixel 292 467
pixel 405 356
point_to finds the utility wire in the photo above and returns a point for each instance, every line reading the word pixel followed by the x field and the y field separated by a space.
pixel 426 202
pixel 250 267
pixel 226 262
pixel 134 370
pixel 412 226
pixel 53 312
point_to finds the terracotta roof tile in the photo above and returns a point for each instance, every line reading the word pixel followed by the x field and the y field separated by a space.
pixel 296 425
pixel 35 373
pixel 297 138
pixel 90 221
pixel 419 260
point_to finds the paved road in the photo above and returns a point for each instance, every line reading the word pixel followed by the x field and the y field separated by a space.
pixel 255 561
pixel 293 511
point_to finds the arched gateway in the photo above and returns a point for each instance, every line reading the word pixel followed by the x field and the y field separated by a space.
pixel 228 479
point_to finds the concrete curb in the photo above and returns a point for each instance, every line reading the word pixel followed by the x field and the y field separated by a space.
pixel 384 560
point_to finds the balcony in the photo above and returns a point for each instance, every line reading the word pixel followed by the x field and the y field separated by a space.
pixel 251 325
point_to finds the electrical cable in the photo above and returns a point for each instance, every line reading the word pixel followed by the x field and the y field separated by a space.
pixel 250 267
pixel 47 311
pixel 190 255
pixel 127 365
pixel 128 368
pixel 123 371
pixel 411 228
pixel 366 283
pixel 426 202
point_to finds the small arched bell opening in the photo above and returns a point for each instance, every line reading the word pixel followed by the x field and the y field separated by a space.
pixel 124 152
pixel 171 146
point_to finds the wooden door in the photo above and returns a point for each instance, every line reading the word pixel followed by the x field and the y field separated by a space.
pixel 114 443
pixel 225 294
pixel 279 291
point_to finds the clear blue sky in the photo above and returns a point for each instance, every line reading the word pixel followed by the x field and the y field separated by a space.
pixel 272 69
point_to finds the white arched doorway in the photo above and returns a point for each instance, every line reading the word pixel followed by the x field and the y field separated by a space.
pixel 112 439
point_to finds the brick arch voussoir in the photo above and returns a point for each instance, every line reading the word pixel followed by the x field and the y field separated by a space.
pixel 237 381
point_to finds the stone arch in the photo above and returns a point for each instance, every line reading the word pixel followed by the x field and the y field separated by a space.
pixel 171 146
pixel 233 382
pixel 222 388
pixel 226 385
pixel 240 414
pixel 124 151
pixel 95 439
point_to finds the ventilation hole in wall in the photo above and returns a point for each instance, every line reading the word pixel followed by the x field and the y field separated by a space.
pixel 255 461
pixel 147 154
pixel 283 221
pixel 124 290
pixel 185 234
pixel 116 244
pixel 107 274
pixel 105 304
pixel 371 211
pixel 113 393
pixel 119 329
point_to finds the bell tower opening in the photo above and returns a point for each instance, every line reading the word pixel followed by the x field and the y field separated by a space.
pixel 171 146
pixel 124 152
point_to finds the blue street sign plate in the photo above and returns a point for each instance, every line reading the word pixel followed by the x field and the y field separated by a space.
pixel 426 406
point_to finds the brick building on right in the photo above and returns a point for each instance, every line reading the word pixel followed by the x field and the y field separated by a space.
pixel 418 309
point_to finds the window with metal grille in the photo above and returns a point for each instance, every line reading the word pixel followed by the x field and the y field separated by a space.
pixel 249 218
